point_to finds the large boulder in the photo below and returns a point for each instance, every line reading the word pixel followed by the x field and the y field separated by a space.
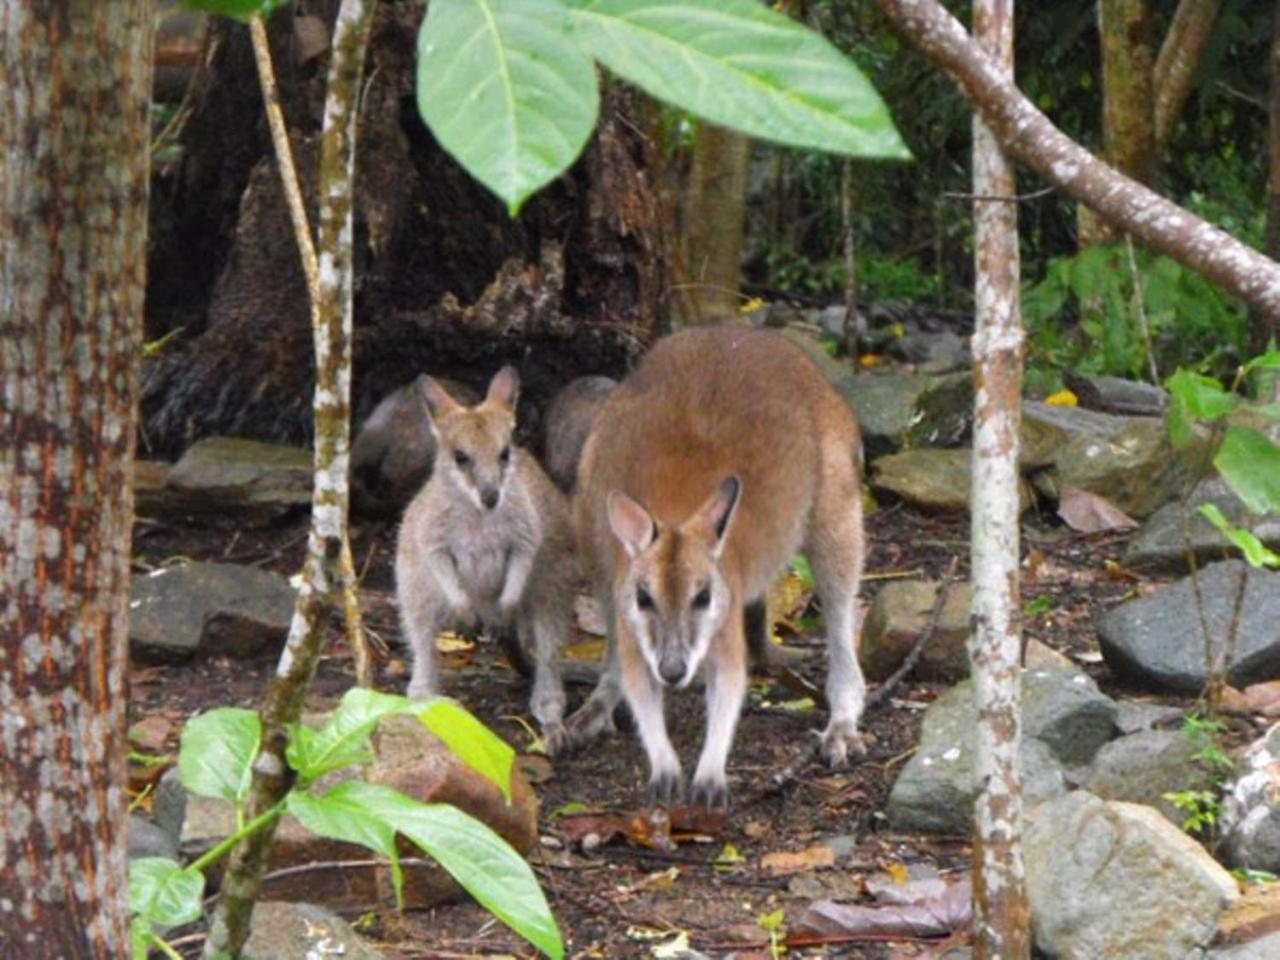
pixel 245 478
pixel 208 609
pixel 1158 640
pixel 1143 767
pixel 1163 541
pixel 1112 879
pixel 931 478
pixel 1065 721
pixel 407 757
pixel 897 409
pixel 1251 807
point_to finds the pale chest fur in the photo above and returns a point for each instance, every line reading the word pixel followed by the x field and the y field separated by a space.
pixel 481 543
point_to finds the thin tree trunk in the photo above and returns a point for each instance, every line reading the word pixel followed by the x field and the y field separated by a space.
pixel 1267 328
pixel 1128 121
pixel 1179 56
pixel 1027 135
pixel 850 231
pixel 1001 915
pixel 713 218
pixel 328 559
pixel 74 141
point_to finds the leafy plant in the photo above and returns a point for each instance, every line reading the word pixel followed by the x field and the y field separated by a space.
pixel 774 925
pixel 1203 807
pixel 216 758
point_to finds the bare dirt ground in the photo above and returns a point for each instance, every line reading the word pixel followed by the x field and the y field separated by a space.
pixel 621 898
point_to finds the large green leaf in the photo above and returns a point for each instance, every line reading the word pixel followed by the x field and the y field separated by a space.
pixel 163 893
pixel 216 754
pixel 479 859
pixel 341 740
pixel 341 814
pixel 741 64
pixel 1250 463
pixel 1267 361
pixel 474 744
pixel 1194 397
pixel 236 9
pixel 506 90
pixel 1257 553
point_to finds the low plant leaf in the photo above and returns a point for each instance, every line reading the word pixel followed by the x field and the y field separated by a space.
pixel 1250 464
pixel 479 859
pixel 1267 361
pixel 743 65
pixel 341 814
pixel 216 753
pixel 163 893
pixel 1257 553
pixel 507 91
pixel 241 10
pixel 342 739
pixel 471 741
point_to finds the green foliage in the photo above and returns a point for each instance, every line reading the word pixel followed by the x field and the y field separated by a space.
pixel 1254 550
pixel 1250 463
pixel 216 758
pixel 1082 315
pixel 774 925
pixel 471 741
pixel 236 9
pixel 508 86
pixel 1203 807
pixel 216 753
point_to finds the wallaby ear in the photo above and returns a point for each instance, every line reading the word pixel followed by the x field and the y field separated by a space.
pixel 504 388
pixel 719 508
pixel 435 398
pixel 630 522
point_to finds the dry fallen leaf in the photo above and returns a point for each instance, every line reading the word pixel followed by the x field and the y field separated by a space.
pixel 450 642
pixel 780 863
pixel 1090 513
pixel 585 651
pixel 935 917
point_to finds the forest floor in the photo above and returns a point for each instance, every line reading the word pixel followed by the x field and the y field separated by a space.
pixel 621 899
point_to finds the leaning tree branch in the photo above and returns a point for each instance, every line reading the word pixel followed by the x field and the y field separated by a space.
pixel 1030 137
pixel 328 564
pixel 1176 63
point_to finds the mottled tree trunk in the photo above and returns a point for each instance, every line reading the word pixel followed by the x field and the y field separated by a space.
pixel 1001 915
pixel 1266 328
pixel 1027 135
pixel 73 224
pixel 712 222
pixel 328 565
pixel 1179 56
pixel 1128 101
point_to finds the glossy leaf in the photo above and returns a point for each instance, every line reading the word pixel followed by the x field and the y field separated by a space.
pixel 507 91
pixel 163 893
pixel 1257 553
pixel 1195 397
pixel 472 742
pixel 342 739
pixel 216 753
pixel 341 814
pixel 485 864
pixel 236 9
pixel 1250 464
pixel 740 64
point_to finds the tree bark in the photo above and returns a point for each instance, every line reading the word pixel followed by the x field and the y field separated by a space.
pixel 1179 56
pixel 1128 117
pixel 1028 135
pixel 713 218
pixel 1001 914
pixel 73 225
pixel 1266 328
pixel 328 568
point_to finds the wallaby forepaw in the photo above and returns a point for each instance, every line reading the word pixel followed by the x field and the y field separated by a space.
pixel 593 719
pixel 664 788
pixel 555 739
pixel 840 741
pixel 420 690
pixel 711 793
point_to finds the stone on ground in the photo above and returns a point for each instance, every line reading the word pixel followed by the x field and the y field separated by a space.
pixel 1250 929
pixel 1162 542
pixel 1111 879
pixel 1143 767
pixel 897 409
pixel 247 478
pixel 898 615
pixel 145 839
pixel 303 931
pixel 1157 640
pixel 208 609
pixel 1251 807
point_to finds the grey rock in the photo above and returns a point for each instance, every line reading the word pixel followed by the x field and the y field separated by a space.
pixel 221 475
pixel 897 409
pixel 394 449
pixel 210 609
pixel 1065 721
pixel 145 839
pixel 1044 430
pixel 1251 807
pixel 303 931
pixel 1117 395
pixel 898 615
pixel 1111 879
pixel 830 320
pixel 1133 716
pixel 1162 541
pixel 567 424
pixel 1263 948
pixel 1157 640
pixel 933 479
pixel 1143 767
pixel 941 352
pixel 1136 469
pixel 169 806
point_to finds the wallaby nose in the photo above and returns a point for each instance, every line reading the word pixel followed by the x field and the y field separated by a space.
pixel 671 668
pixel 489 497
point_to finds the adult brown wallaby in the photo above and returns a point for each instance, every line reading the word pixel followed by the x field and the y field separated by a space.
pixel 723 455
pixel 487 539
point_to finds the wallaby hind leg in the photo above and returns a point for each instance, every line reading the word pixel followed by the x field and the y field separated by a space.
pixel 550 626
pixel 835 551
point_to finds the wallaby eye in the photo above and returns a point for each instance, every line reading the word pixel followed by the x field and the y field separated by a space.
pixel 461 458
pixel 505 456
pixel 643 600
pixel 702 599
